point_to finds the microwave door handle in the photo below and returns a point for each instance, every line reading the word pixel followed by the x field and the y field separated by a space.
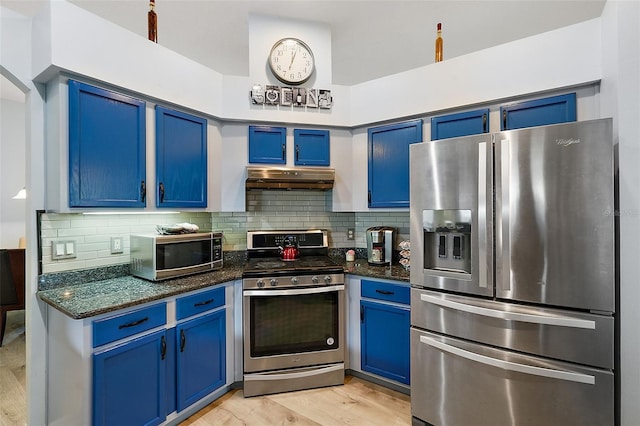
pixel 555 320
pixel 509 365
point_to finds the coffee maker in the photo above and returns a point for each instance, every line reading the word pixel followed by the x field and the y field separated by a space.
pixel 380 245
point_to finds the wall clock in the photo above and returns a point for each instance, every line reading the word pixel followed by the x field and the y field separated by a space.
pixel 291 61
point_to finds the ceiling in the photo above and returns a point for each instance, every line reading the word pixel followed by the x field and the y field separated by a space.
pixel 370 38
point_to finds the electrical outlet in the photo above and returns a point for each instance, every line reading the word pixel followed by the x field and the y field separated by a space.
pixel 116 245
pixel 351 234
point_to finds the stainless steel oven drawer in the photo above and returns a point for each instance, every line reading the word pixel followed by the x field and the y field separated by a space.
pixel 458 383
pixel 553 333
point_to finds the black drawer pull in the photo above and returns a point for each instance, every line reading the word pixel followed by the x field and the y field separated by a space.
pixel 206 302
pixel 385 292
pixel 163 350
pixel 133 324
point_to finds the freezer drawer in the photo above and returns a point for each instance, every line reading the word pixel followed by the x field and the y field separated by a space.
pixel 571 336
pixel 456 383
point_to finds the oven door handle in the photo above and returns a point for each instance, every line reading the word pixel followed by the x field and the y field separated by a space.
pixel 510 365
pixel 294 291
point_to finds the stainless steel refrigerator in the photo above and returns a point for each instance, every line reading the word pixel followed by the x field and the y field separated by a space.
pixel 513 278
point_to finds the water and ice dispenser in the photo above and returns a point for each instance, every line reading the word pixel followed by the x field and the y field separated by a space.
pixel 447 240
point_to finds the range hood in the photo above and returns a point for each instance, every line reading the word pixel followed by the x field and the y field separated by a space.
pixel 270 177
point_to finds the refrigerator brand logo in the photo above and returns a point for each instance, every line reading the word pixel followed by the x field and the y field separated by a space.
pixel 567 142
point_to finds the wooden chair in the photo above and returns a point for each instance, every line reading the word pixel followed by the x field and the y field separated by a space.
pixel 11 284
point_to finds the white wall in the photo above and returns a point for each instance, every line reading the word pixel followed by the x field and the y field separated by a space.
pixel 15 64
pixel 621 99
pixel 12 172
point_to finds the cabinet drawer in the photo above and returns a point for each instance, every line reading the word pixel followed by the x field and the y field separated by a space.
pixel 191 305
pixel 120 326
pixel 385 291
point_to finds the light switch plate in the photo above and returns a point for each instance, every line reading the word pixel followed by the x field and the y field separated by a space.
pixel 63 249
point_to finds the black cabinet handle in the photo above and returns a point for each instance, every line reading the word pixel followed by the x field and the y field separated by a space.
pixel 183 340
pixel 284 152
pixel 161 192
pixel 163 346
pixel 484 123
pixel 206 302
pixel 504 119
pixel 143 191
pixel 369 197
pixel 385 292
pixel 297 152
pixel 361 313
pixel 133 324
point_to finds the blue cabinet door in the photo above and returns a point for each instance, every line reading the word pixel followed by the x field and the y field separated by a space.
pixel 461 124
pixel 538 112
pixel 129 382
pixel 107 163
pixel 181 159
pixel 384 334
pixel 388 173
pixel 201 357
pixel 267 145
pixel 312 147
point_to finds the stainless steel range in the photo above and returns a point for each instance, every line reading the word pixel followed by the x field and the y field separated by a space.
pixel 293 314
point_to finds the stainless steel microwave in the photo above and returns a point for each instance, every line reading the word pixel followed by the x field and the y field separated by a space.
pixel 160 257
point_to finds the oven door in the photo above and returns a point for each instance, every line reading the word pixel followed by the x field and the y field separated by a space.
pixel 292 328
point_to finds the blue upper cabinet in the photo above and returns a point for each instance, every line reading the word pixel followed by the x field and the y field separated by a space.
pixel 181 159
pixel 461 124
pixel 539 112
pixel 388 173
pixel 312 147
pixel 107 136
pixel 267 145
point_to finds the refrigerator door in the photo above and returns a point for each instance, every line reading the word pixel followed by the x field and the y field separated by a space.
pixel 555 215
pixel 451 215
pixel 458 383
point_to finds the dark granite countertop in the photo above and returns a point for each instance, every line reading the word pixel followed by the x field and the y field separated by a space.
pixel 84 294
pixel 98 297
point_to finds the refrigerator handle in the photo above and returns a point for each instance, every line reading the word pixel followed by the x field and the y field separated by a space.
pixel 509 365
pixel 503 248
pixel 556 320
pixel 482 215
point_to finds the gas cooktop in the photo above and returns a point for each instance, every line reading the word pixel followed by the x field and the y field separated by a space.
pixel 273 266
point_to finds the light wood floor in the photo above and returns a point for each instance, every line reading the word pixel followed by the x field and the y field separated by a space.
pixel 13 400
pixel 356 403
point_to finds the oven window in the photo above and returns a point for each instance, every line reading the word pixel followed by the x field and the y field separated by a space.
pixel 181 255
pixel 294 324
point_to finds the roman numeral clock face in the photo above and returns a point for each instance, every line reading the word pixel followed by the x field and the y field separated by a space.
pixel 291 61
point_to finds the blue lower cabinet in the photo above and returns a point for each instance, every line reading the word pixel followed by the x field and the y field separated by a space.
pixel 200 357
pixel 129 382
pixel 384 334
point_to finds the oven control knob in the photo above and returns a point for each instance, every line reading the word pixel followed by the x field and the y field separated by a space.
pixel 314 279
pixel 260 283
pixel 327 279
pixel 273 282
pixel 294 280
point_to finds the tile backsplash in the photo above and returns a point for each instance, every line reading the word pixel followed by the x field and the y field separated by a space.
pixel 265 210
